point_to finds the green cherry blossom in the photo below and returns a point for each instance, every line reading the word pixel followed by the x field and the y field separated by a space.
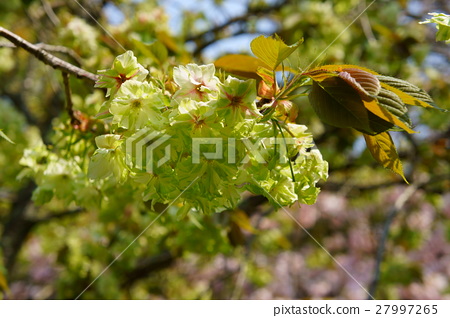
pixel 136 105
pixel 236 100
pixel 195 119
pixel 124 68
pixel 195 82
pixel 217 145
pixel 108 160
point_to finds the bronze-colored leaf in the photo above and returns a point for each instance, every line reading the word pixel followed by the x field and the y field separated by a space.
pixel 367 84
pixel 338 104
pixel 335 69
pixel 348 88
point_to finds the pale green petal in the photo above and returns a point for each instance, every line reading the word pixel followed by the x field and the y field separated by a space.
pixel 283 192
pixel 108 141
pixel 100 166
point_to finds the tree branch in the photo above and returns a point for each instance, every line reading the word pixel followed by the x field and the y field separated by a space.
pixel 69 104
pixel 257 11
pixel 336 186
pixel 46 57
pixel 17 225
pixel 61 49
pixel 147 266
pixel 57 215
pixel 245 16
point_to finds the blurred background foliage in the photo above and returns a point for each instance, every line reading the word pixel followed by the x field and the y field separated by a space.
pixel 394 239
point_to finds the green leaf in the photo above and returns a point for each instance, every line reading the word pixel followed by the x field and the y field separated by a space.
pixel 272 50
pixel 241 219
pixel 408 93
pixel 442 21
pixel 3 281
pixel 393 104
pixel 246 66
pixel 2 134
pixel 397 271
pixel 42 195
pixel 155 50
pixel 383 150
pixel 159 50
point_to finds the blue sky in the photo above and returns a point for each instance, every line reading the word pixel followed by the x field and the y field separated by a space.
pixel 217 13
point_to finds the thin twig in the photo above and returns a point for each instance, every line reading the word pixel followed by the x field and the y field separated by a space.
pixel 46 57
pixel 69 104
pixel 7 45
pixel 50 13
pixel 243 17
pixel 366 27
pixel 58 215
pixel 61 49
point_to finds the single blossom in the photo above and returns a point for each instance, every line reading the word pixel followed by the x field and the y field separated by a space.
pixel 124 68
pixel 236 100
pixel 108 159
pixel 137 104
pixel 195 82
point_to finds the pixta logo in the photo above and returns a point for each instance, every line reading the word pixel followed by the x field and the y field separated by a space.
pixel 252 149
pixel 145 150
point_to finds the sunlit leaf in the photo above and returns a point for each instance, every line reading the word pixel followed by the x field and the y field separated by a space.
pixel 155 50
pixel 408 93
pixel 245 65
pixel 319 75
pixel 383 150
pixel 321 72
pixel 167 40
pixel 272 50
pixel 242 65
pixel 374 107
pixel 394 105
pixel 442 21
pixel 3 281
pixel 242 220
pixel 159 50
pixel 267 87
